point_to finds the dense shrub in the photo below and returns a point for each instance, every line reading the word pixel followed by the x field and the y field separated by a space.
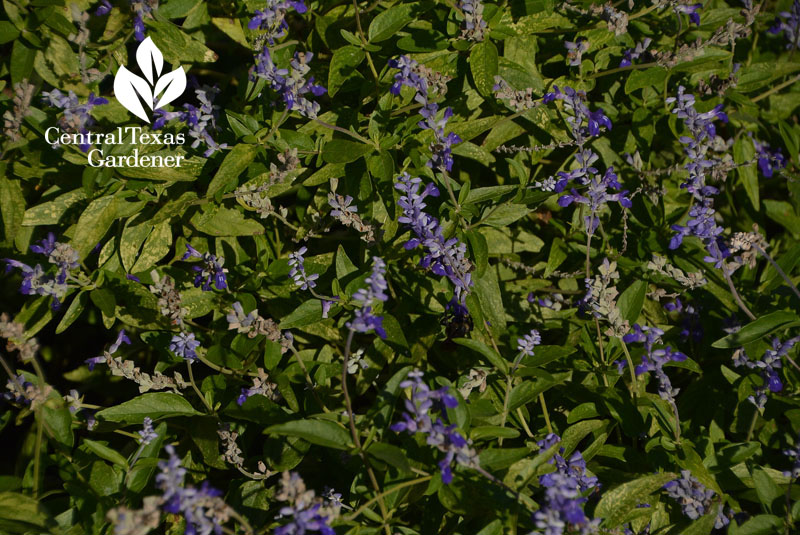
pixel 400 267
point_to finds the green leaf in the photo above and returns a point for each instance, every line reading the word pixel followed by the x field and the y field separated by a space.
pixel 760 525
pixel 59 424
pixel 156 405
pixel 758 328
pixel 391 455
pixel 505 214
pixel 93 224
pixel 22 514
pixel 236 161
pixel 73 312
pixel 783 213
pixel 344 151
pixel 388 23
pixel 499 458
pixel 528 391
pixel 321 432
pixel 558 253
pixel 480 251
pixel 133 237
pixel 703 525
pixel 50 212
pixel 156 247
pixel 306 314
pixel 12 207
pixel 483 64
pixel 632 300
pixel 343 65
pixel 220 221
pixel 645 78
pixel 619 501
pixel 104 452
pixel 489 193
pixel 766 488
pixel 492 357
pixel 744 151
pixel 490 432
pixel 21 61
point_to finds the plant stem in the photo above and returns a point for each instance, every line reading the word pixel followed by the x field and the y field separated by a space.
pixel 778 269
pixel 308 377
pixel 634 385
pixel 546 414
pixel 346 132
pixel 385 493
pixel 777 88
pixel 357 439
pixel 364 43
pixel 197 390
pixel 622 69
pixel 735 293
pixel 752 425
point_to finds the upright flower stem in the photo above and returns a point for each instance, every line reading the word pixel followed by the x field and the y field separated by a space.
pixel 364 42
pixel 357 439
pixel 196 389
pixel 735 293
pixel 778 269
pixel 345 131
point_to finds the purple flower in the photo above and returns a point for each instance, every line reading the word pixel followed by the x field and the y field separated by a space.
pixel 788 22
pixel 445 257
pixel 364 320
pixel 634 53
pixel 417 419
pixel 528 342
pixel 201 120
pixel 690 319
pixel 305 511
pixel 201 508
pixel 141 9
pixel 272 19
pixel 564 503
pixel 411 75
pixel 102 359
pixel 103 9
pixel 794 455
pixel 298 271
pixel 768 366
pixel 209 271
pixel 695 499
pixel 36 282
pixel 654 359
pixel 76 117
pixel 291 85
pixel 575 50
pixel 691 10
pixel 768 160
pixel 147 433
pixel 184 346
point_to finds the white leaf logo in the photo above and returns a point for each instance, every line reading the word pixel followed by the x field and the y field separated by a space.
pixel 132 90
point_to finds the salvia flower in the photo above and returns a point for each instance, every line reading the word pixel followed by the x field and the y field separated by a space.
pixel 528 342
pixel 307 513
pixel 12 118
pixel 768 367
pixel 203 509
pixel 794 455
pixel 689 9
pixel 788 22
pixel 768 160
pixel 76 117
pixel 365 320
pixel 103 9
pixel 122 338
pixel 272 19
pixel 147 433
pixel 563 494
pixel 261 386
pixel 695 499
pixel 415 76
pixel 474 26
pixel 290 84
pixel 417 419
pixel 141 9
pixel 654 359
pixel 635 53
pixel 36 282
pixel 298 271
pixel 61 254
pixel 184 345
pixel 575 50
pixel 209 271
pixel 690 319
pixel 445 257
pixel 202 119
